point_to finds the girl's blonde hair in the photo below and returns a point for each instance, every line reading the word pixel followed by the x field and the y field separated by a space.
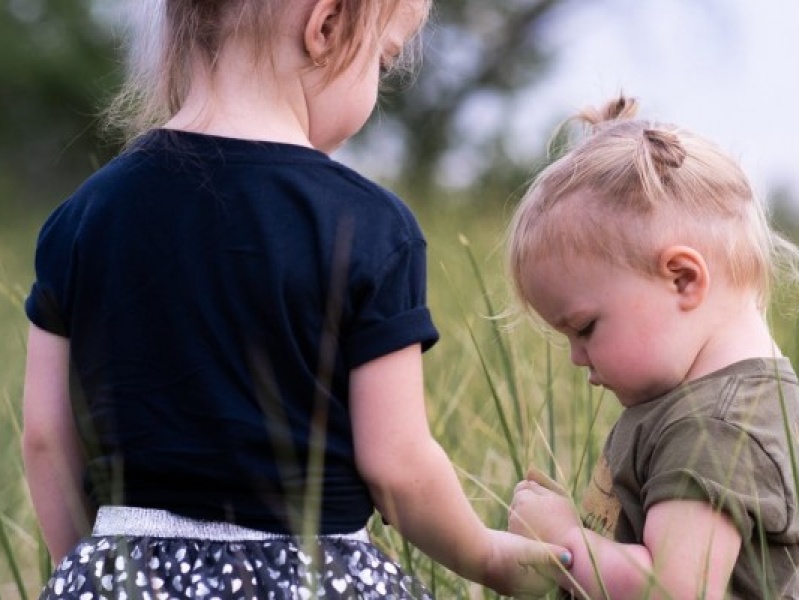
pixel 169 39
pixel 631 187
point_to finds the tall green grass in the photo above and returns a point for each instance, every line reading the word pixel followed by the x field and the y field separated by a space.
pixel 20 544
pixel 500 396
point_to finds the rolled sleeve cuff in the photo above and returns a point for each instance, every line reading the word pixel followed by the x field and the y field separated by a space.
pixel 412 327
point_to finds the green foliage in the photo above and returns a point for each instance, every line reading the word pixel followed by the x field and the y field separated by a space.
pixel 56 63
pixel 18 543
pixel 475 51
pixel 59 63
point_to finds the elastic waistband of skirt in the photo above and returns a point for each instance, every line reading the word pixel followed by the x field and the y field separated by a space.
pixel 133 521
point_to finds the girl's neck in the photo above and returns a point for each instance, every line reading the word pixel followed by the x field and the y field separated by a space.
pixel 239 101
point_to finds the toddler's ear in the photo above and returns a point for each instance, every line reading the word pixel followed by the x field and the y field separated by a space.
pixel 687 272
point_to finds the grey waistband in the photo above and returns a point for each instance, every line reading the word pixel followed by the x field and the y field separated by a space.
pixel 151 522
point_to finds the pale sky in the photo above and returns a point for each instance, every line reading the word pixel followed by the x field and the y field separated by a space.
pixel 726 69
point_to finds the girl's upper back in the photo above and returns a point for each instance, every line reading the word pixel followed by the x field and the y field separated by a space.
pixel 216 293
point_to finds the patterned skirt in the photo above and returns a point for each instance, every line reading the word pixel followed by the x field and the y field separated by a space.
pixel 150 554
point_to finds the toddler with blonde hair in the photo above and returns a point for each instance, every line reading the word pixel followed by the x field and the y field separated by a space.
pixel 646 248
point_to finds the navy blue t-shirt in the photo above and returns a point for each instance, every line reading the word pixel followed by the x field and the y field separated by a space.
pixel 217 293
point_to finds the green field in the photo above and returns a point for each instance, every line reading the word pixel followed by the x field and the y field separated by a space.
pixel 500 396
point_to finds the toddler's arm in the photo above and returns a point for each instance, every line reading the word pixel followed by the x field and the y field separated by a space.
pixel 416 488
pixel 50 448
pixel 689 549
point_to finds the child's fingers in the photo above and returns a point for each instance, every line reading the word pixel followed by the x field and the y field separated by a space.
pixel 525 485
pixel 525 499
pixel 520 497
pixel 532 487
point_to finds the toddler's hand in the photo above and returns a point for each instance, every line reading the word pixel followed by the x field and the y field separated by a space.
pixel 539 513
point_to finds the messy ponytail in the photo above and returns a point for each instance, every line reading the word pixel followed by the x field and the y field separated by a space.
pixel 629 187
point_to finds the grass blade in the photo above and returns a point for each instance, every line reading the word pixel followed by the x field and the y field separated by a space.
pixel 5 542
pixel 549 401
pixel 513 451
pixel 504 354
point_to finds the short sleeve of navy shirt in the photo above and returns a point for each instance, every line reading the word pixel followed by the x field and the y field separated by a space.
pixel 217 293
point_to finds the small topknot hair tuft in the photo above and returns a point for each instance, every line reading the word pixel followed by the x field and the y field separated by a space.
pixel 619 109
pixel 665 149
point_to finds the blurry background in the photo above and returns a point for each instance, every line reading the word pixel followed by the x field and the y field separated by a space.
pixel 497 77
pixel 459 142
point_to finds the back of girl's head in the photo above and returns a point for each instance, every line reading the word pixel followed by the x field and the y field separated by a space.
pixel 630 188
pixel 170 39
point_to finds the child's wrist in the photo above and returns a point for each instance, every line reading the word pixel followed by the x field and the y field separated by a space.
pixel 573 540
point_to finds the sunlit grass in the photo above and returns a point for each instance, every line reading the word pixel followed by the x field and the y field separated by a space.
pixel 500 396
pixel 19 540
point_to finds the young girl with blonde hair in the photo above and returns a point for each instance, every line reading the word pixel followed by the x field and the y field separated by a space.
pixel 646 248
pixel 224 360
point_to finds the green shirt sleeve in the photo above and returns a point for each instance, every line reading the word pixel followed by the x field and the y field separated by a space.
pixel 703 458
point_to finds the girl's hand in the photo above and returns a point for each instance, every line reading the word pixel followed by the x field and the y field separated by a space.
pixel 539 513
pixel 524 568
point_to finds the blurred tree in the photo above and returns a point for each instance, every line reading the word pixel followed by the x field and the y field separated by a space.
pixel 56 62
pixel 785 212
pixel 477 56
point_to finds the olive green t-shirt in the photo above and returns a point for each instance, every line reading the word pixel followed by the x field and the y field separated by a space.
pixel 721 438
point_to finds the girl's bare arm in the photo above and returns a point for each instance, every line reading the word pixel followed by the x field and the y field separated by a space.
pixel 50 448
pixel 415 486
